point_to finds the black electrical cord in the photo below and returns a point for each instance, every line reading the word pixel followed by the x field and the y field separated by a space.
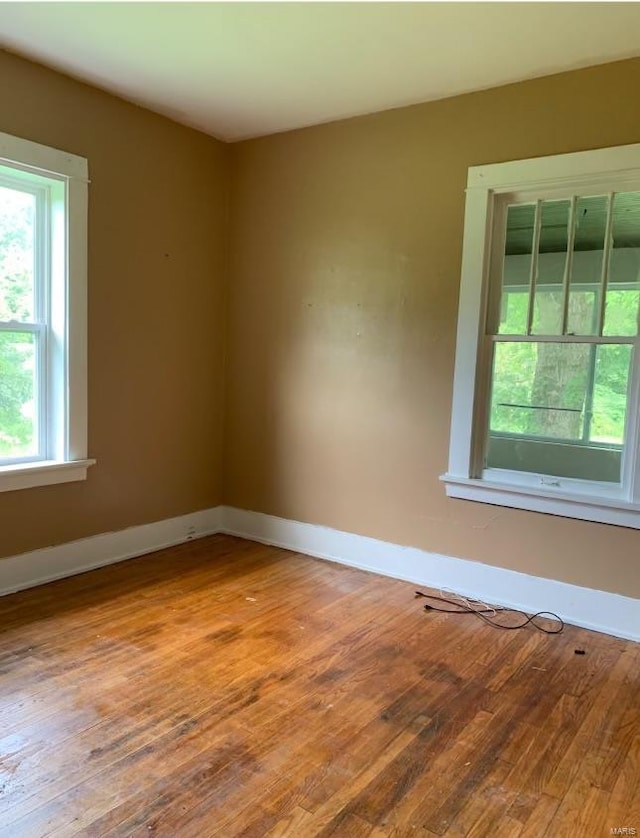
pixel 461 608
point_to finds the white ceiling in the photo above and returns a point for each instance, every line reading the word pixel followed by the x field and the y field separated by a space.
pixel 238 70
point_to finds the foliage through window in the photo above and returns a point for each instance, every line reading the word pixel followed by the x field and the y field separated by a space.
pixel 19 339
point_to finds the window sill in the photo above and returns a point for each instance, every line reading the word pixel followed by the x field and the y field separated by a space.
pixel 604 510
pixel 42 473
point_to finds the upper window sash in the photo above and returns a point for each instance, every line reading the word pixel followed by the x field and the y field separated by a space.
pixel 541 269
pixel 40 267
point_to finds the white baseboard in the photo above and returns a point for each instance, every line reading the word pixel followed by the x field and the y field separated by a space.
pixel 597 610
pixel 30 569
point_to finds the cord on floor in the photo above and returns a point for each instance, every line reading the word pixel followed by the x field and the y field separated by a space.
pixel 481 610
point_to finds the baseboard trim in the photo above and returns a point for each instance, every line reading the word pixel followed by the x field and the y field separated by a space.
pixel 50 563
pixel 597 610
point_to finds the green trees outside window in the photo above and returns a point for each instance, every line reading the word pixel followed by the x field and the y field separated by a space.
pixel 17 348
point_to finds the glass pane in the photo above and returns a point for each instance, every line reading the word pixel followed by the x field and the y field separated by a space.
pixel 622 311
pixel 583 311
pixel 624 266
pixel 559 409
pixel 539 389
pixel 547 310
pixel 17 240
pixel 552 257
pixel 517 269
pixel 586 270
pixel 18 423
pixel 611 384
pixel 514 312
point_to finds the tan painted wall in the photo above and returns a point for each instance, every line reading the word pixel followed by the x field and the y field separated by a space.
pixel 158 202
pixel 346 244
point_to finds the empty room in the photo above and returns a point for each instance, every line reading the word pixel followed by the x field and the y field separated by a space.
pixel 319 419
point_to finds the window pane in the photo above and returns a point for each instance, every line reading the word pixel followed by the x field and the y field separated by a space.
pixel 582 313
pixel 514 312
pixel 517 269
pixel 611 383
pixel 552 257
pixel 624 266
pixel 539 389
pixel 17 231
pixel 547 309
pixel 18 424
pixel 586 269
pixel 622 311
pixel 559 409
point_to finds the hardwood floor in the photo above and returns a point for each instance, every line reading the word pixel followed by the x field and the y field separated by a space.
pixel 224 688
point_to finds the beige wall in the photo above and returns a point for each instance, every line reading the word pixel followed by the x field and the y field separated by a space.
pixel 158 201
pixel 345 263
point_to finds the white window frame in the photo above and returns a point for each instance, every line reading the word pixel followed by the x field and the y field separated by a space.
pixel 605 170
pixel 62 180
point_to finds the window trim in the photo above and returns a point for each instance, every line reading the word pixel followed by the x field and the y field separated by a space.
pixel 607 169
pixel 66 455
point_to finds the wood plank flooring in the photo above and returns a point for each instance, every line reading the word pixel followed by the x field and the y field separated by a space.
pixel 224 688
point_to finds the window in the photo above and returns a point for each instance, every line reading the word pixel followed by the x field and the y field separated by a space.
pixel 546 404
pixel 43 243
